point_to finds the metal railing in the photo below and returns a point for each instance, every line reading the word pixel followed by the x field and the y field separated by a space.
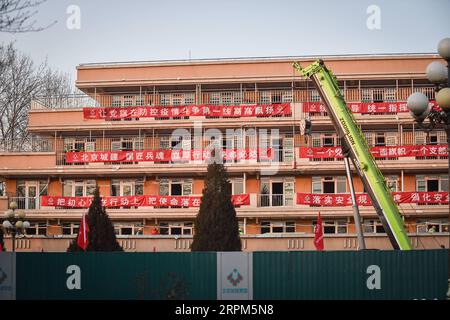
pixel 30 144
pixel 26 203
pixel 64 102
pixel 229 97
pixel 271 200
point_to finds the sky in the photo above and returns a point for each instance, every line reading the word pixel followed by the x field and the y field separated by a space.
pixel 136 30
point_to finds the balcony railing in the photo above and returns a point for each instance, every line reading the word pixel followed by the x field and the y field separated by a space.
pixel 229 97
pixel 27 203
pixel 64 102
pixel 29 144
pixel 256 201
pixel 274 200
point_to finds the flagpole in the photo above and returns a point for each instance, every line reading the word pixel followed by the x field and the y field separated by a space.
pixel 356 216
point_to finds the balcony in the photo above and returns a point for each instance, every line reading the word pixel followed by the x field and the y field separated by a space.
pixel 27 203
pixel 260 206
pixel 275 200
pixel 66 112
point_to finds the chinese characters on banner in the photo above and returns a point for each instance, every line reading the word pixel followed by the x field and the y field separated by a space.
pixel 379 152
pixel 165 155
pixel 137 201
pixel 264 110
pixel 363 199
pixel 364 107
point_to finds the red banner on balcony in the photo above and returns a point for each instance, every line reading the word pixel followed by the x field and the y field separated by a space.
pixel 363 199
pixel 364 107
pixel 263 110
pixel 136 201
pixel 379 152
pixel 165 155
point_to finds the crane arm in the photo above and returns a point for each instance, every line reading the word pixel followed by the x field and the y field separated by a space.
pixel 358 151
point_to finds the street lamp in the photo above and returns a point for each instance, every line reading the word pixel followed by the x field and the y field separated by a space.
pixel 14 222
pixel 428 117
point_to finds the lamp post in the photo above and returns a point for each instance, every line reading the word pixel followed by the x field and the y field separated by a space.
pixel 426 117
pixel 14 223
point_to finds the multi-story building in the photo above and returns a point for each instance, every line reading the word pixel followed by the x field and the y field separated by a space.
pixel 140 130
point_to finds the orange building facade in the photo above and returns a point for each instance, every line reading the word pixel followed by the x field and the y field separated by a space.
pixel 124 132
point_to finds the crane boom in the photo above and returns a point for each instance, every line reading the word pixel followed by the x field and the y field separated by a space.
pixel 358 151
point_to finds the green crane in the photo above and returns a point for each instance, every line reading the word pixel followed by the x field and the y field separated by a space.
pixel 355 145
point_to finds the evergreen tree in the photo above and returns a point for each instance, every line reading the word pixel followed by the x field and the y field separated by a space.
pixel 216 225
pixel 101 234
pixel 2 243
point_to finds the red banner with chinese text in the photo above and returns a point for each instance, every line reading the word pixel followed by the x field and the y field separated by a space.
pixel 263 110
pixel 165 155
pixel 364 107
pixel 137 201
pixel 379 152
pixel 363 199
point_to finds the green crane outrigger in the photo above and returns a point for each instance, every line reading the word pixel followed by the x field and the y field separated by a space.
pixel 355 146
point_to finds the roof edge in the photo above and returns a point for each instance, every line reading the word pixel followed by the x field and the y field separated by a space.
pixel 252 60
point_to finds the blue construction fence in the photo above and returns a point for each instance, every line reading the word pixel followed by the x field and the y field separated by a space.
pixel 372 274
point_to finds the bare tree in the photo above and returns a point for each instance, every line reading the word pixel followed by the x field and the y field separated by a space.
pixel 17 16
pixel 20 82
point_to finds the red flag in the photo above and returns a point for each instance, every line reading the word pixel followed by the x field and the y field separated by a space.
pixel 1 247
pixel 83 231
pixel 318 234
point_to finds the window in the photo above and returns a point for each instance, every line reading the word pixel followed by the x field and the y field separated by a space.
pixel 380 139
pixel 334 227
pixel 128 229
pixel 176 228
pixel 177 99
pixel 2 188
pixel 436 137
pixel 236 186
pixel 227 98
pixel 130 187
pixel 189 98
pixel 79 188
pixel 79 144
pixel 37 229
pixel 277 227
pixel 214 98
pixel 392 183
pixel 315 96
pixel 389 95
pixel 175 187
pixel 128 101
pixel 373 226
pixel 431 183
pixel 420 138
pixel 328 140
pixel 165 99
pixel 278 192
pixel 28 193
pixel 430 226
pixel 315 140
pixel 116 101
pixel 70 228
pixel 391 138
pixel 329 184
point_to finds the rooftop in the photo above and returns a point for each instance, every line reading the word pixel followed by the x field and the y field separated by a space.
pixel 255 59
